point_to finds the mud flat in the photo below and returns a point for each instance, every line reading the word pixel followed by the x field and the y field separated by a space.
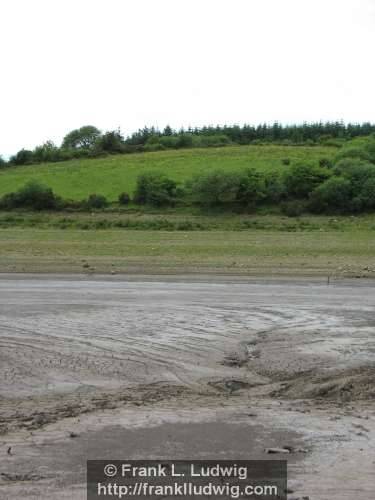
pixel 114 367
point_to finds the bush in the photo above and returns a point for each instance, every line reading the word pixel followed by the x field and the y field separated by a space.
pixel 325 163
pixel 370 149
pixel 274 187
pixel 23 157
pixel 334 195
pixel 213 141
pixel 302 178
pixel 33 195
pixel 124 198
pixel 356 170
pixel 227 189
pixel 110 142
pixel 285 161
pixel 214 189
pixel 96 201
pixel 156 189
pixel 169 141
pixel 46 152
pixel 353 153
pixel 3 163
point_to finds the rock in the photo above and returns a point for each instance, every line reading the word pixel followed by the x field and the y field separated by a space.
pixel 73 434
pixel 277 450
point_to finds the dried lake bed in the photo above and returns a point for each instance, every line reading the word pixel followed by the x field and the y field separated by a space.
pixel 186 367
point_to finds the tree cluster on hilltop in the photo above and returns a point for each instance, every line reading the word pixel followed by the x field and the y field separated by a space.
pixel 89 142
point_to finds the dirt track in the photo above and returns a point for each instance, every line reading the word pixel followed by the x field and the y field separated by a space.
pixel 256 364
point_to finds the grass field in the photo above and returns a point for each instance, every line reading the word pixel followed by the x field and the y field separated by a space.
pixel 109 176
pixel 271 246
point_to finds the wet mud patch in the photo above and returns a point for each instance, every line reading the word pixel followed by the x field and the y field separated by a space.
pixel 230 385
pixel 343 386
pixel 37 412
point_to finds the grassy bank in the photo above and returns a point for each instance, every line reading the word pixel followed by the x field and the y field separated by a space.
pixel 270 245
pixel 182 220
pixel 76 179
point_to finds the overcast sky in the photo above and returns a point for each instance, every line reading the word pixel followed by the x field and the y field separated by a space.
pixel 130 63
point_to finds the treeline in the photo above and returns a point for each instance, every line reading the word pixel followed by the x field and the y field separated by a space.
pixel 90 142
pixel 344 185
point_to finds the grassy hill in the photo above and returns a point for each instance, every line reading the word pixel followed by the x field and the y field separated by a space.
pixel 76 179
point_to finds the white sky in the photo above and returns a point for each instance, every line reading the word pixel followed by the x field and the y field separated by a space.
pixel 130 63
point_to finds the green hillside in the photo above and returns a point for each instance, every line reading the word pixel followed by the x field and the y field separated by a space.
pixel 76 179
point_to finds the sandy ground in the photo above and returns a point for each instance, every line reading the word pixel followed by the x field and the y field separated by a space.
pixel 186 368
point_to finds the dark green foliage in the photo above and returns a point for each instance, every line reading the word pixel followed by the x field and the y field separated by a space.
pixel 294 208
pixel 370 149
pixel 156 189
pixel 302 178
pixel 23 157
pixel 326 163
pixel 365 199
pixel 227 189
pixel 216 188
pixel 356 170
pixel 353 153
pixel 213 141
pixel 123 198
pixel 34 196
pixel 307 133
pixel 334 195
pixel 285 161
pixel 3 163
pixel 169 141
pixel 88 141
pixel 46 152
pixel 96 201
pixel 110 142
pixel 84 137
pixel 274 187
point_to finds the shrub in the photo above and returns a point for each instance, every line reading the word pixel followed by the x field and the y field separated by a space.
pixel 3 163
pixel 370 149
pixel 23 157
pixel 227 189
pixel 149 148
pixel 46 152
pixel 33 195
pixel 213 141
pixel 274 187
pixel 110 142
pixel 252 188
pixel 356 170
pixel 169 141
pixel 302 178
pixel 285 161
pixel 334 195
pixel 123 198
pixel 214 188
pixel 358 153
pixel 155 189
pixel 365 199
pixel 185 141
pixel 325 163
pixel 96 201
